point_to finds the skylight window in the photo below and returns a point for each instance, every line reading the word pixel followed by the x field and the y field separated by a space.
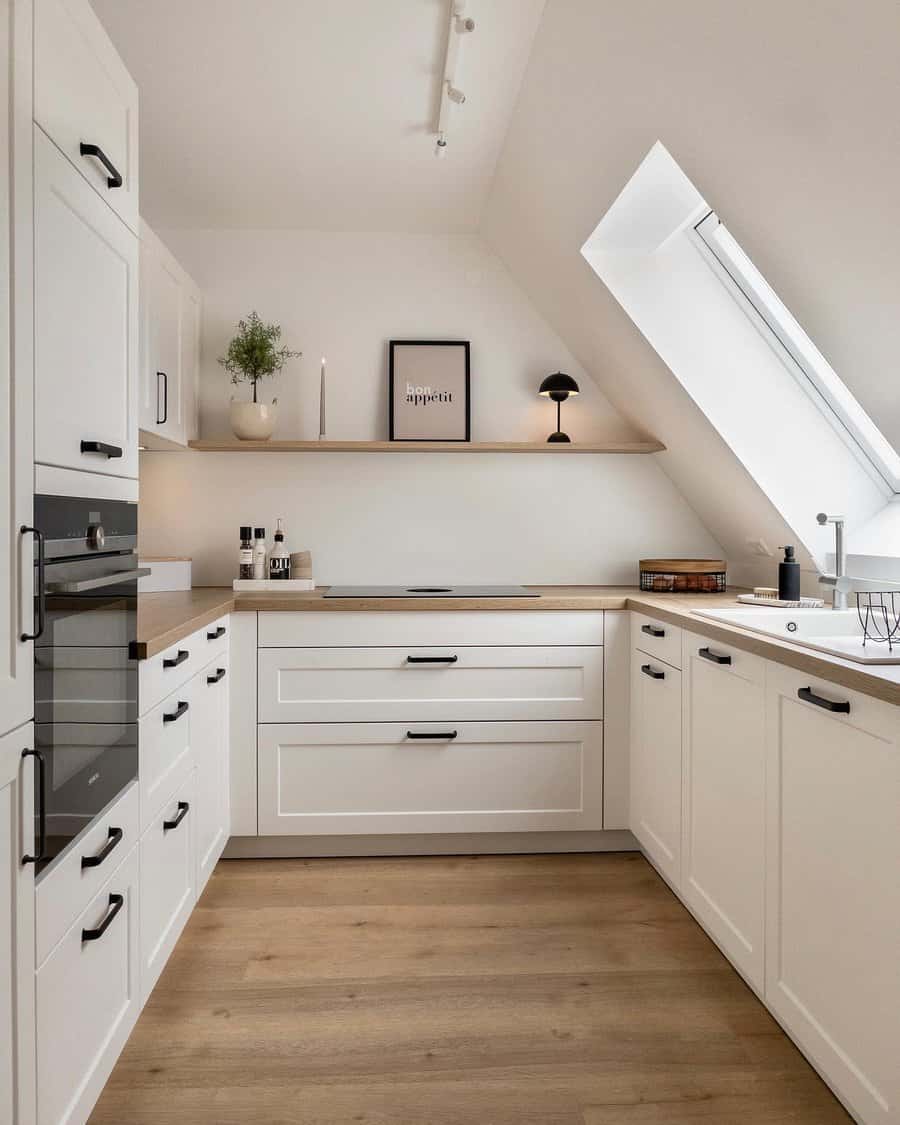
pixel 796 350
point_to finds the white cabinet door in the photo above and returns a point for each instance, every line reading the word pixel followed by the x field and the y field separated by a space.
pixel 16 374
pixel 358 778
pixel 87 997
pixel 833 885
pixel 723 837
pixel 83 95
pixel 191 308
pixel 86 324
pixel 655 783
pixel 209 735
pixel 168 880
pixel 17 1043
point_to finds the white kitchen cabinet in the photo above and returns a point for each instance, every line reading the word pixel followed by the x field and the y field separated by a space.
pixel 84 96
pixel 17 1043
pixel 170 346
pixel 420 683
pixel 723 799
pixel 86 325
pixel 168 879
pixel 833 884
pixel 363 778
pixel 209 737
pixel 655 782
pixel 16 370
pixel 164 748
pixel 87 999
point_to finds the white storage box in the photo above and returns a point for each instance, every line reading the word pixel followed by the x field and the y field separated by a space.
pixel 166 573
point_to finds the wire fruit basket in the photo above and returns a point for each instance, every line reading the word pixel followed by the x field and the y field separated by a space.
pixel 879 615
pixel 683 576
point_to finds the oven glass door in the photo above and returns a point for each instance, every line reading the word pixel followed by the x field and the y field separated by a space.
pixel 85 692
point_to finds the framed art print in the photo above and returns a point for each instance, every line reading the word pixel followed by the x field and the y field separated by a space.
pixel 428 390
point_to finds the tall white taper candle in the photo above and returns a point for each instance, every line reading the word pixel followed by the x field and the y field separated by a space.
pixel 322 403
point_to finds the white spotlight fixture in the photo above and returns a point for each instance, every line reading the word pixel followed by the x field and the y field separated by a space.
pixel 451 95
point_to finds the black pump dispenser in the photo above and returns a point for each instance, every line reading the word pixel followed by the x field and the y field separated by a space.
pixel 789 577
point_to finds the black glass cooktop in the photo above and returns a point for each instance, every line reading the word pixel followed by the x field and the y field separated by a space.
pixel 435 591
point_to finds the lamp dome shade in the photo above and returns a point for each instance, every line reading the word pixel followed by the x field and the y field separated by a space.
pixel 558 384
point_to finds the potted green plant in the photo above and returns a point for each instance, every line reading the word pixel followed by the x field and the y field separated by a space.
pixel 253 355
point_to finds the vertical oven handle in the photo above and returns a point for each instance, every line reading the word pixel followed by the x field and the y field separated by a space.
pixel 40 593
pixel 42 806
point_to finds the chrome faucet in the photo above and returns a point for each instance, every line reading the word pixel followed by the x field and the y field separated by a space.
pixel 839 579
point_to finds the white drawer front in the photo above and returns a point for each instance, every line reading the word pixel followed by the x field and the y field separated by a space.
pixel 87 1000
pixel 64 891
pixel 168 883
pixel 83 93
pixel 656 638
pixel 456 627
pixel 164 749
pixel 380 684
pixel 163 673
pixel 336 779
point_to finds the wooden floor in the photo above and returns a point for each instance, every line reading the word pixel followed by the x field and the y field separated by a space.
pixel 502 990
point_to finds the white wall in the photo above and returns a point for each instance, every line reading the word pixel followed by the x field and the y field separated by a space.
pixel 412 517
pixel 782 115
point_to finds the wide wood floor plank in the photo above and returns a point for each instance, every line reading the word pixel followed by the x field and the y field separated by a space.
pixel 502 990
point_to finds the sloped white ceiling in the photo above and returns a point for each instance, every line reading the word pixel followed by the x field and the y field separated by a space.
pixel 785 116
pixel 317 114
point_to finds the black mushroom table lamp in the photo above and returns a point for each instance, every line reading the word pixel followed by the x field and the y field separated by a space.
pixel 558 387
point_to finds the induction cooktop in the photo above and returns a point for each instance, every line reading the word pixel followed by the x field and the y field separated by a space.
pixel 430 592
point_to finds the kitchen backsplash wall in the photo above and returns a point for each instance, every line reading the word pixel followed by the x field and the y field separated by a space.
pixel 412 517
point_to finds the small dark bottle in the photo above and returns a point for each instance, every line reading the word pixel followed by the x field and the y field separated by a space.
pixel 789 577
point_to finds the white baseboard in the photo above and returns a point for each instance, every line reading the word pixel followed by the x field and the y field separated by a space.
pixel 485 843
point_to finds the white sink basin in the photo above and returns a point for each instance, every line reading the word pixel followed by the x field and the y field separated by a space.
pixel 837 632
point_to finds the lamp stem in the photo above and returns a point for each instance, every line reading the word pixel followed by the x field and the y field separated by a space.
pixel 558 415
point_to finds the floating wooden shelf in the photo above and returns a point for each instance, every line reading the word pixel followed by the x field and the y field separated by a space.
pixel 232 445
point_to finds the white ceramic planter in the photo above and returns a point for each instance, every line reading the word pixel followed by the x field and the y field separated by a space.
pixel 253 421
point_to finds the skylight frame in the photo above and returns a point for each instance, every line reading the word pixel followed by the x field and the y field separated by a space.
pixel 799 355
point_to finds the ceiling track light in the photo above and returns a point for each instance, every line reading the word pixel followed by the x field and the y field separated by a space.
pixel 451 95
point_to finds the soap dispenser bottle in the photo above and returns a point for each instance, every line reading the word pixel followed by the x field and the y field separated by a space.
pixel 789 577
pixel 280 558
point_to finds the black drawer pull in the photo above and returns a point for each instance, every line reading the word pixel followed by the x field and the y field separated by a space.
pixel 114 839
pixel 444 734
pixel 116 902
pixel 809 696
pixel 715 657
pixel 42 806
pixel 652 672
pixel 216 633
pixel 183 809
pixel 177 713
pixel 115 177
pixel 165 411
pixel 220 675
pixel 174 661
pixel 653 631
pixel 108 451
pixel 40 593
pixel 432 659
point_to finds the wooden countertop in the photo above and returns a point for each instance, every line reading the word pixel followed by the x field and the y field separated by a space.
pixel 164 619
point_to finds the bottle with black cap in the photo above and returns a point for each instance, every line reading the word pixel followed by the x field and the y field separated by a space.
pixel 280 558
pixel 245 554
pixel 789 577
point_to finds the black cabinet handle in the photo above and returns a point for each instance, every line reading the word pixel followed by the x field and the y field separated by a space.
pixel 220 675
pixel 445 734
pixel 42 807
pixel 652 672
pixel 115 177
pixel 183 810
pixel 653 631
pixel 809 696
pixel 165 378
pixel 113 840
pixel 177 713
pixel 108 451
pixel 116 902
pixel 431 659
pixel 715 657
pixel 174 661
pixel 216 633
pixel 40 594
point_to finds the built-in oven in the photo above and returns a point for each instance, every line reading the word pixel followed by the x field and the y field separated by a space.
pixel 85 675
